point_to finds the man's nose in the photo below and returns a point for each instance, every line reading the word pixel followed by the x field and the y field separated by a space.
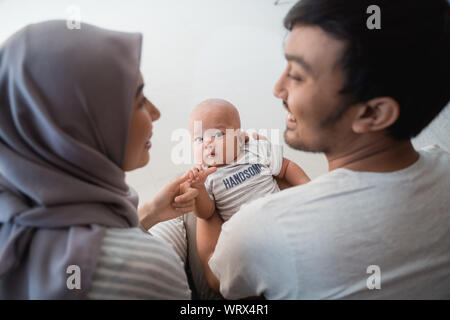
pixel 279 90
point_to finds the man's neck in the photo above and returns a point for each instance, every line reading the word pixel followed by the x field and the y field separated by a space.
pixel 379 155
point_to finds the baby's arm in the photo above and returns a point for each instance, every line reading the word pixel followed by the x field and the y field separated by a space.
pixel 292 174
pixel 204 206
pixel 208 231
pixel 209 223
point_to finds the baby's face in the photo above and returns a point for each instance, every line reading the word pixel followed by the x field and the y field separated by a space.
pixel 216 135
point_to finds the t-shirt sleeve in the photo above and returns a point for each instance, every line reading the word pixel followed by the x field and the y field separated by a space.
pixel 251 258
pixel 269 154
pixel 209 187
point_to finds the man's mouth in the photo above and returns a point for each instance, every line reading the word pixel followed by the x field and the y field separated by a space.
pixel 290 119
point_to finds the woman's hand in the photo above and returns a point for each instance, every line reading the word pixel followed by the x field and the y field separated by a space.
pixel 198 175
pixel 175 199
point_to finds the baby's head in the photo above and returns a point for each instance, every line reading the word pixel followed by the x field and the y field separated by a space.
pixel 215 132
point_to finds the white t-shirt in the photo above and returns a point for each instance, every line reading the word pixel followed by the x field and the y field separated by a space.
pixel 249 178
pixel 319 240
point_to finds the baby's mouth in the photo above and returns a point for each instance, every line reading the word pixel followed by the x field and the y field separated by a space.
pixel 212 154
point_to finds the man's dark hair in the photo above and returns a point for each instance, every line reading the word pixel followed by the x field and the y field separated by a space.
pixel 408 59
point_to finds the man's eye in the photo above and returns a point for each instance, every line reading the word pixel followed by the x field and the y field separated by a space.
pixel 198 139
pixel 219 134
pixel 295 78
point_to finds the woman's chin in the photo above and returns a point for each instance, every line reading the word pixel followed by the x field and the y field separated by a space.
pixel 145 159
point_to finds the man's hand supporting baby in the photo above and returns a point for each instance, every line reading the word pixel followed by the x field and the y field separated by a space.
pixel 291 175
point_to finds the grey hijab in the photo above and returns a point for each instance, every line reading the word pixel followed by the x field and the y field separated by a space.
pixel 66 99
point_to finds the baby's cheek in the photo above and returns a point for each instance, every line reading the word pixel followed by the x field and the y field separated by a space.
pixel 229 150
pixel 198 155
pixel 224 150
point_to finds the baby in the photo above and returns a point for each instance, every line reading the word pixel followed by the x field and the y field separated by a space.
pixel 245 169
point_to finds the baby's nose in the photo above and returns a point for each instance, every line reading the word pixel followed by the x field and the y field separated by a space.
pixel 208 142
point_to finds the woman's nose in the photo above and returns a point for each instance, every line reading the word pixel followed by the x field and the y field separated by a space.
pixel 154 112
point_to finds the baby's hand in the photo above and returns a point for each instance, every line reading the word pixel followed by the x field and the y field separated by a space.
pixel 198 175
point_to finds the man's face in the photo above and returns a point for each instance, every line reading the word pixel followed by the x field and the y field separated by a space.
pixel 309 89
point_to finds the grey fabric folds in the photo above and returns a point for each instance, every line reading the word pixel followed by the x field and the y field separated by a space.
pixel 66 99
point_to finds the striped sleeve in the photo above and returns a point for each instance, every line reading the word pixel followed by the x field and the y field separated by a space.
pixel 136 265
pixel 173 232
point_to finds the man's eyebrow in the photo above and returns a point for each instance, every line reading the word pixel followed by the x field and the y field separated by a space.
pixel 301 62
pixel 139 90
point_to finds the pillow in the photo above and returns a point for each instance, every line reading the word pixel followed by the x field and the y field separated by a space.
pixel 181 234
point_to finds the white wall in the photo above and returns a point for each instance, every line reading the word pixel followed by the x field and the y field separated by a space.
pixel 193 50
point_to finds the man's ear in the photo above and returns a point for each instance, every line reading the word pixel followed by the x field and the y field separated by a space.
pixel 375 115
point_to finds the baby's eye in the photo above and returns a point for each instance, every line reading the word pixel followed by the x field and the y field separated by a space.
pixel 219 134
pixel 198 139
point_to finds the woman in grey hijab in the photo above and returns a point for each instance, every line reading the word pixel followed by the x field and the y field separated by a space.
pixel 72 118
